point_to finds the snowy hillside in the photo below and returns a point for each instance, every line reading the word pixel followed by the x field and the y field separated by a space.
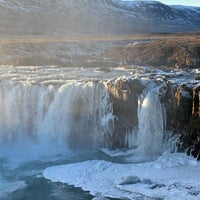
pixel 66 17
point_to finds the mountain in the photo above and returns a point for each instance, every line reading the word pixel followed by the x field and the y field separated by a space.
pixel 75 17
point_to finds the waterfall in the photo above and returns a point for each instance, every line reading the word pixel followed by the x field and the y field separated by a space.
pixel 48 119
pixel 151 121
pixel 148 140
pixel 43 116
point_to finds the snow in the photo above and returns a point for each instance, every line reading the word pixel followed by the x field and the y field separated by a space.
pixel 171 177
pixel 182 7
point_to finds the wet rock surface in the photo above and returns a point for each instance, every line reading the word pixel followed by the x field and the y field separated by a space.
pixel 179 92
pixel 124 94
pixel 182 110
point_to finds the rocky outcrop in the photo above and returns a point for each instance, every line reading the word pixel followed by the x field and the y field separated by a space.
pixel 196 101
pixel 124 95
pixel 182 107
pixel 178 105
pixel 182 114
pixel 179 53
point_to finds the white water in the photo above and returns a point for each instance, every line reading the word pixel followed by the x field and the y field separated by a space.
pixel 38 120
pixel 51 111
pixel 170 176
pixel 48 112
pixel 147 140
pixel 151 124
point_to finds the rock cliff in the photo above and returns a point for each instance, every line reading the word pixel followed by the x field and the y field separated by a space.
pixel 124 95
pixel 180 98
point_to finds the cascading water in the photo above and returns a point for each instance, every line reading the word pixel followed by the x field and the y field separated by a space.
pixel 151 124
pixel 50 112
pixel 47 120
pixel 147 138
pixel 53 111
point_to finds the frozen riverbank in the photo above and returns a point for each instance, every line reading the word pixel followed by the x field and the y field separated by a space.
pixel 171 176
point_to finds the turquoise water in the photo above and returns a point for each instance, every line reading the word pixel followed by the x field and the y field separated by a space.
pixel 34 186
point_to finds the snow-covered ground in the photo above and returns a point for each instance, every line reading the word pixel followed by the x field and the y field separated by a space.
pixel 171 177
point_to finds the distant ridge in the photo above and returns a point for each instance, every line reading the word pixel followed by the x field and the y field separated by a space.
pixel 83 17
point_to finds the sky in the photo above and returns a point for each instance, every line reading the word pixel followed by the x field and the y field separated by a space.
pixel 180 2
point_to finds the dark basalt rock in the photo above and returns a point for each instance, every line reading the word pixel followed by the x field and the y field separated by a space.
pixel 124 94
pixel 196 101
pixel 178 104
pixel 182 107
pixel 182 104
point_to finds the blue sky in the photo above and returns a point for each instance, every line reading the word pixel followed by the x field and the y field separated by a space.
pixel 180 2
